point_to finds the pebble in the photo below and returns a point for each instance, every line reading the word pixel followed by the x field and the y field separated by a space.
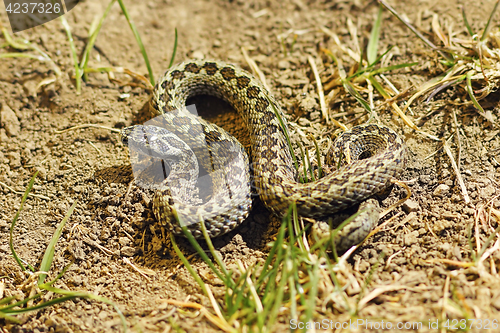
pixel 124 241
pixel 411 238
pixel 424 179
pixel 411 206
pixel 198 55
pixel 127 251
pixel 14 159
pixel 307 104
pixel 283 64
pixel 287 91
pixel 9 121
pixel 441 190
pixel 496 303
pixel 487 191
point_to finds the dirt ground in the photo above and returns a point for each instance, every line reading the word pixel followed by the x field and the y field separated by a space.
pixel 113 223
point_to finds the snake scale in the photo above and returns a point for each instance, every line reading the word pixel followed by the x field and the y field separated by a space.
pixel 375 154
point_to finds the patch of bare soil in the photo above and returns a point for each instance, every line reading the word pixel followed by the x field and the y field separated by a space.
pixel 426 242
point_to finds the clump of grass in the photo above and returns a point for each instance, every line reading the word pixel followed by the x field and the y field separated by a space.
pixel 471 60
pixel 81 65
pixel 368 71
pixel 10 308
pixel 294 281
pixel 30 51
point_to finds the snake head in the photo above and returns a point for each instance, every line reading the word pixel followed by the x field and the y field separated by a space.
pixel 125 134
pixel 155 141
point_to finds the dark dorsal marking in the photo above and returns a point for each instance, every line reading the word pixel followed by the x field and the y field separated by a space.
pixel 253 92
pixel 210 68
pixel 177 75
pixel 192 68
pixel 242 82
pixel 228 73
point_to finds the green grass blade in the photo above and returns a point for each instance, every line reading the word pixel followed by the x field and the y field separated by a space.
pixel 287 136
pixel 274 299
pixel 392 68
pixel 379 87
pixel 313 292
pixel 93 37
pixel 9 318
pixel 174 51
pixel 348 86
pixel 10 308
pixel 21 55
pixel 490 19
pixel 23 44
pixel 471 94
pixel 13 224
pixel 274 249
pixel 186 263
pixel 372 48
pixel 78 72
pixel 59 275
pixel 466 22
pixel 139 41
pixel 49 252
pixel 200 251
pixel 370 67
pixel 6 300
pixel 227 281
pixel 69 295
pixel 42 305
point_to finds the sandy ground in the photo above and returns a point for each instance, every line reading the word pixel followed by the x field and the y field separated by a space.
pixel 113 222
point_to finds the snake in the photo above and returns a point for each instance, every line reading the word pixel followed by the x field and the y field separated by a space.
pixel 366 158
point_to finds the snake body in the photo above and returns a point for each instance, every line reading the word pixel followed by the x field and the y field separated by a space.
pixel 375 153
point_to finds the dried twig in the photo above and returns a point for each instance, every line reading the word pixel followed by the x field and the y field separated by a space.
pixel 460 180
pixel 319 86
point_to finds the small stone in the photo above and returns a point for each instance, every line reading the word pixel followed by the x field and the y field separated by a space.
pixel 101 134
pixel 487 191
pixel 76 280
pixel 441 190
pixel 127 251
pixel 307 104
pixel 198 55
pixel 9 121
pixel 103 314
pixel 315 115
pixel 14 159
pixel 287 91
pixel 42 172
pixel 283 64
pixel 425 179
pixel 445 247
pixel 50 322
pixel 124 241
pixel 411 238
pixel 410 206
pixel 496 303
